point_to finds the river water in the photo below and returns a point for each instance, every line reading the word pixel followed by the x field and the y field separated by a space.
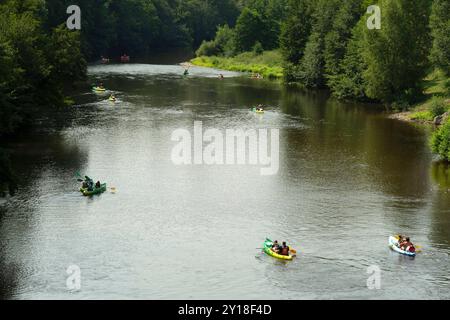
pixel 348 178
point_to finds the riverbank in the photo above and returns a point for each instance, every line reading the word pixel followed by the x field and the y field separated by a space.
pixel 269 64
pixel 435 109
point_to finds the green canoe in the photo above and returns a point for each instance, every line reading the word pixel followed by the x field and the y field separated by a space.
pixel 100 190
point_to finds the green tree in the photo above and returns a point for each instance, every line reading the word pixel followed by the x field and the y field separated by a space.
pixel 272 13
pixel 440 31
pixel 295 30
pixel 37 63
pixel 337 39
pixel 249 30
pixel 440 142
pixel 312 65
pixel 348 82
pixel 397 55
pixel 225 40
pixel 203 17
pixel 223 44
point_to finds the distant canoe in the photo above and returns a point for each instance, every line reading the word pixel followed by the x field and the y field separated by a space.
pixel 88 193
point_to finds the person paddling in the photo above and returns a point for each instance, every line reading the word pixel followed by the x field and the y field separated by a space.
pixel 284 250
pixel 276 247
pixel 407 245
pixel 88 184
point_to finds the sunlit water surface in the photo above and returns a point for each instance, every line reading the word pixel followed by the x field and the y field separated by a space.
pixel 348 178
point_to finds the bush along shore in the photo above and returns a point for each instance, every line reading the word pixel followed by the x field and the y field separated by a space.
pixel 267 64
pixel 401 60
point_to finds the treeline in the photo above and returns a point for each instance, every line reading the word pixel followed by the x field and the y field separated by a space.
pixel 257 28
pixel 36 64
pixel 327 44
pixel 139 27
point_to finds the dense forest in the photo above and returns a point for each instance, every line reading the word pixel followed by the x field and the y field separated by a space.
pixel 322 44
pixel 327 44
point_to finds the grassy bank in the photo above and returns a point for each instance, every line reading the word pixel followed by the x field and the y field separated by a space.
pixel 437 100
pixel 268 64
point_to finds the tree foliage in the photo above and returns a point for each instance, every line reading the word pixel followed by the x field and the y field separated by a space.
pixel 259 21
pixel 440 142
pixel 36 63
pixel 397 55
pixel 296 30
pixel 440 31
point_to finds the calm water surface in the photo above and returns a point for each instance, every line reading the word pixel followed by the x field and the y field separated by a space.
pixel 349 177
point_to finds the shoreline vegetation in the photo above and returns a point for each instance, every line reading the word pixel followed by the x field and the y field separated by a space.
pixel 435 103
pixel 404 63
pixel 268 64
pixel 435 108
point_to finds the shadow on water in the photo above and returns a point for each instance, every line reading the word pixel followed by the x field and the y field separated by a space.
pixel 9 275
pixel 357 141
pixel 42 158
pixel 440 173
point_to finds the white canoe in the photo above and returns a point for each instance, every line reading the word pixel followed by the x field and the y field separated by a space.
pixel 394 245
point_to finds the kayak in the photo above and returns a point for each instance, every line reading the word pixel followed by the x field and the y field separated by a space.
pixel 112 100
pixel 87 193
pixel 258 111
pixel 97 89
pixel 394 245
pixel 268 250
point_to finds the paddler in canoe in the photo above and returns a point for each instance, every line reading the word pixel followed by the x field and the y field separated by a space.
pixel 282 250
pixel 88 187
pixel 99 88
pixel 274 249
pixel 259 109
pixel 88 184
pixel 406 245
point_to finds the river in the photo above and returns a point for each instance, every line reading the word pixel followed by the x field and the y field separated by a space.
pixel 348 178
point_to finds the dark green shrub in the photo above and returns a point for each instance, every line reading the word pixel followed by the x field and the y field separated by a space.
pixel 208 48
pixel 258 49
pixel 438 107
pixel 440 141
